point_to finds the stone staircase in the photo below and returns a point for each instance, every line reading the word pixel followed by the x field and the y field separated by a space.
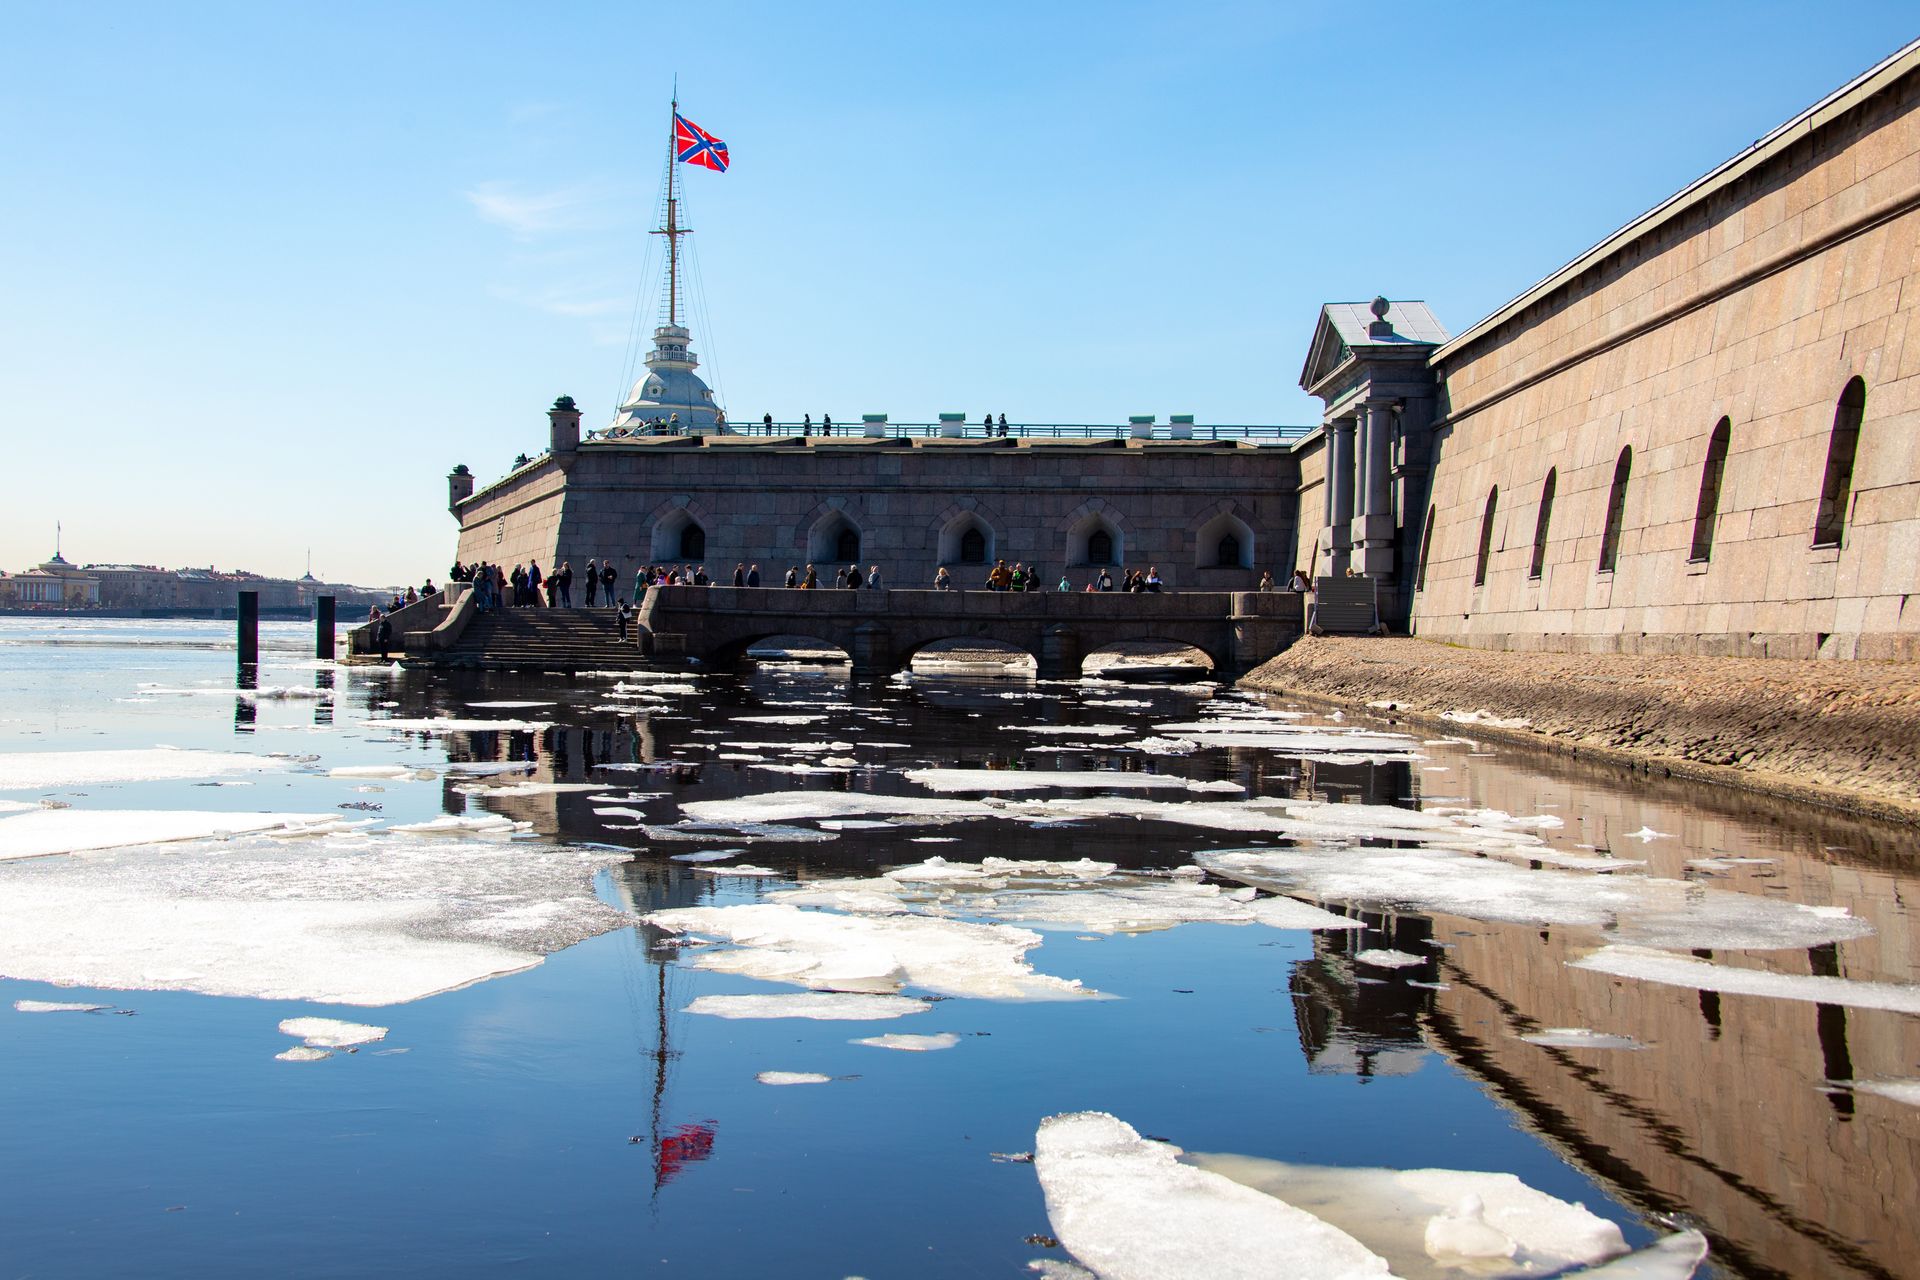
pixel 535 639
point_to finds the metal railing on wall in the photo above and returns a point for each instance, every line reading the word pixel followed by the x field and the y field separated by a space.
pixel 1253 433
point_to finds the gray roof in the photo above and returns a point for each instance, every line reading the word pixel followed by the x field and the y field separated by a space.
pixel 1411 321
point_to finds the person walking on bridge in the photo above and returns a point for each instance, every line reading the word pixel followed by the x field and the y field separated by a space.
pixel 811 581
pixel 739 575
pixel 753 575
pixel 873 579
pixel 793 577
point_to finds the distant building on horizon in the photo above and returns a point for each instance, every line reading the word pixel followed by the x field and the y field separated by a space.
pixel 56 584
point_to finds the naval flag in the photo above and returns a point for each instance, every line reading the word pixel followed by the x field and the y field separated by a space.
pixel 694 145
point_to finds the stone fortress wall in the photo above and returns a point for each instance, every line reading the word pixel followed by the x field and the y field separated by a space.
pixel 1740 360
pixel 907 505
pixel 1696 437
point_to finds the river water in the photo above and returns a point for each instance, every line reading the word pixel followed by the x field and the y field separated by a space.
pixel 1265 933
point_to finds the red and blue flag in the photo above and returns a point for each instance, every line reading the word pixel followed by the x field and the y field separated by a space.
pixel 694 145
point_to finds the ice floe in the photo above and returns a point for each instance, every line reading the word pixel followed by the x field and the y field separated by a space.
pixel 1485 719
pixel 910 1043
pixel 1579 1038
pixel 707 855
pixel 950 780
pixel 1084 896
pixel 302 1053
pixel 793 1077
pixel 44 832
pixel 356 919
pixel 331 1033
pixel 454 724
pixel 793 806
pixel 829 951
pixel 38 770
pixel 1646 964
pixel 1907 1091
pixel 1386 958
pixel 824 1006
pixel 1127 1208
pixel 739 869
pixel 463 824
pixel 57 1006
pixel 384 772
pixel 1645 910
pixel 1080 730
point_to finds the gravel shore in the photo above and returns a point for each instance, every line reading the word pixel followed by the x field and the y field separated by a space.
pixel 1843 734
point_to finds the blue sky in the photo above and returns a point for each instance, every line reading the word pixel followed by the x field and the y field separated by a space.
pixel 271 270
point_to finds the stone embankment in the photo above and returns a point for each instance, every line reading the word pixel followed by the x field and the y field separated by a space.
pixel 1844 734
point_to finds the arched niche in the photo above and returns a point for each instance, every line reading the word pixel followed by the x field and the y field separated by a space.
pixel 967 539
pixel 678 537
pixel 1094 541
pixel 1224 542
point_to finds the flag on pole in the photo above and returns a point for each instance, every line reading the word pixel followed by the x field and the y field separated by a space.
pixel 694 145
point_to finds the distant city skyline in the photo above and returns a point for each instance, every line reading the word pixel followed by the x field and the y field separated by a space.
pixel 276 271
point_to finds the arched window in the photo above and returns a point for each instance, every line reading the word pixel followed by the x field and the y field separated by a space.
pixel 973 546
pixel 847 545
pixel 1706 513
pixel 1836 487
pixel 1099 547
pixel 1227 554
pixel 1426 550
pixel 1541 523
pixel 1486 536
pixel 1616 511
pixel 693 542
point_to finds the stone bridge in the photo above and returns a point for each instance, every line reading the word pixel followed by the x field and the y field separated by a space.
pixel 882 630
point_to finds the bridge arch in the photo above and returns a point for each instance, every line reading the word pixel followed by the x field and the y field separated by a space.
pixel 970 655
pixel 1148 651
pixel 728 653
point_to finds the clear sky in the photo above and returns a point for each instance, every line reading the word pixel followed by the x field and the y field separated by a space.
pixel 269 270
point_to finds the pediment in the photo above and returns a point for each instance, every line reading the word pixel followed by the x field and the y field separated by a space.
pixel 1325 354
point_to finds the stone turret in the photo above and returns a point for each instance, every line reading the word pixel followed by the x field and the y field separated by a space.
pixel 459 487
pixel 565 417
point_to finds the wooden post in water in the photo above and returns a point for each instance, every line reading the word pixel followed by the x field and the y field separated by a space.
pixel 249 614
pixel 323 627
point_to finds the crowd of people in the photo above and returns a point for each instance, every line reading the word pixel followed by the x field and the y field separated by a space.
pixel 527 585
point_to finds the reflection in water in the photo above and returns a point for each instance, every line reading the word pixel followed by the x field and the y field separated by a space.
pixel 1737 1115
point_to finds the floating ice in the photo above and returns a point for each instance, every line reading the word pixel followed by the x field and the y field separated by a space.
pixel 487 768
pixel 828 951
pixel 468 824
pixel 792 1077
pixel 1292 739
pixel 740 869
pixel 452 724
pixel 707 855
pixel 779 719
pixel 792 806
pixel 511 704
pixel 302 1053
pixel 825 1006
pixel 1579 1038
pixel 55 1006
pixel 1435 1222
pixel 527 789
pixel 910 1043
pixel 1648 965
pixel 331 1033
pixel 1386 958
pixel 365 919
pixel 1638 909
pixel 36 770
pixel 387 772
pixel 44 832
pixel 856 824
pixel 1127 1208
pixel 1081 730
pixel 743 832
pixel 1907 1091
pixel 1647 835
pixel 950 780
